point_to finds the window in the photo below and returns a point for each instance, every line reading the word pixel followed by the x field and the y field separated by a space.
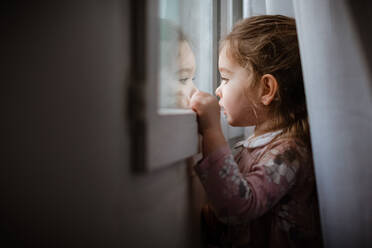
pixel 254 7
pixel 186 51
pixel 175 48
pixel 282 7
pixel 164 33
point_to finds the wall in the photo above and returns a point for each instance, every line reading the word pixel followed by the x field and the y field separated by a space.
pixel 65 177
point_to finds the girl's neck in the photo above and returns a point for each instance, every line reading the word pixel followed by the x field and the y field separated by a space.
pixel 266 126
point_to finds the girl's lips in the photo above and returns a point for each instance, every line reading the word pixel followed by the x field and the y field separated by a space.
pixel 223 111
pixel 221 106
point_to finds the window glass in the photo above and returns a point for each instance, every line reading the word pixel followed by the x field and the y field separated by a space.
pixel 186 50
pixel 254 7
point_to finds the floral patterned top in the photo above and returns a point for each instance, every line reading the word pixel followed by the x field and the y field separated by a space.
pixel 265 196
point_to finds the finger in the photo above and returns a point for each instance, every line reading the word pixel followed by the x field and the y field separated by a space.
pixel 195 99
pixel 194 91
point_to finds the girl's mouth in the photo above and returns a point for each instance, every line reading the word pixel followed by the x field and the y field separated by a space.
pixel 222 109
pixel 223 112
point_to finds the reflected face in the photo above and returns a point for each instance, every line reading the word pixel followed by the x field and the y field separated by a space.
pixel 187 66
pixel 237 97
pixel 177 74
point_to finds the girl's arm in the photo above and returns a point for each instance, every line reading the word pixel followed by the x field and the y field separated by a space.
pixel 235 195
pixel 239 197
pixel 208 111
pixel 212 140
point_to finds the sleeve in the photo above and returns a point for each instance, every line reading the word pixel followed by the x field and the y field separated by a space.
pixel 238 197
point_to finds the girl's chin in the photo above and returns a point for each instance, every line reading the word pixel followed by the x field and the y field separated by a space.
pixel 234 124
pixel 239 123
pixel 231 121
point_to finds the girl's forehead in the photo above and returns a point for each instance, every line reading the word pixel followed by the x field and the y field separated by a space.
pixel 226 61
pixel 186 56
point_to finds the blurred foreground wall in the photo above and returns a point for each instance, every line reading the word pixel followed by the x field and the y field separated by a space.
pixel 65 177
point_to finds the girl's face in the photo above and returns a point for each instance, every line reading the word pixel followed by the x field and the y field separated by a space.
pixel 238 98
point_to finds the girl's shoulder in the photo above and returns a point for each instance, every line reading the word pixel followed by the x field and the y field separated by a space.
pixel 289 142
pixel 275 146
pixel 271 140
pixel 286 149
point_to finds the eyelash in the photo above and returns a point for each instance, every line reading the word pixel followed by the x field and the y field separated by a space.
pixel 224 80
pixel 183 80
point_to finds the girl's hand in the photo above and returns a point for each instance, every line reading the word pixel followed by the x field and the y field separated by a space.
pixel 208 110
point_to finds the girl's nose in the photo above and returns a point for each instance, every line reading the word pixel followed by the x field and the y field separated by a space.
pixel 218 91
pixel 192 91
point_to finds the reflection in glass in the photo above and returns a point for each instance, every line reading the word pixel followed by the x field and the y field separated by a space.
pixel 185 51
pixel 178 67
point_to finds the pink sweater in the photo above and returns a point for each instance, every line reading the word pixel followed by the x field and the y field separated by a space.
pixel 264 197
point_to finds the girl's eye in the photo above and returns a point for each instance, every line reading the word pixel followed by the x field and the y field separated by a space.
pixel 183 80
pixel 224 80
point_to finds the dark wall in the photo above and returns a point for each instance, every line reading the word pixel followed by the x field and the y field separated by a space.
pixel 65 178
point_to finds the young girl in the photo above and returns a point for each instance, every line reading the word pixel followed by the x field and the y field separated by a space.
pixel 266 195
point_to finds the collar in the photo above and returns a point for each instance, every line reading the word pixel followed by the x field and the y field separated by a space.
pixel 257 141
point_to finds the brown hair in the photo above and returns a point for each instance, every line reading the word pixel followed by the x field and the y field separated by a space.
pixel 268 44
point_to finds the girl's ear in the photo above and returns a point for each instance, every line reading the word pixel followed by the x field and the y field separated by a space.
pixel 269 88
